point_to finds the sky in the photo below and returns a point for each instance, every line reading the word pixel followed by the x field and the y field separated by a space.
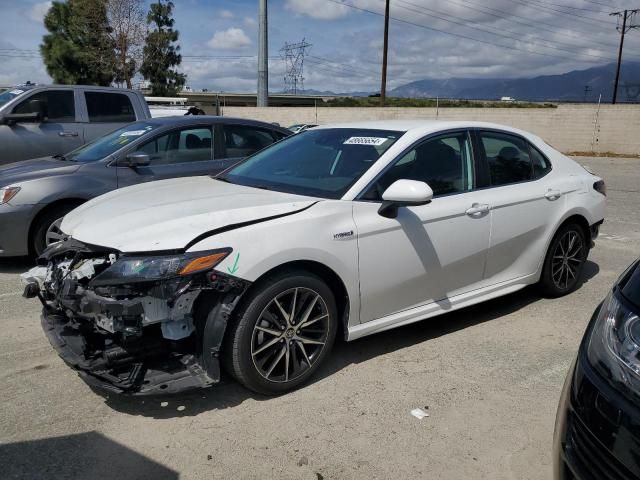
pixel 427 39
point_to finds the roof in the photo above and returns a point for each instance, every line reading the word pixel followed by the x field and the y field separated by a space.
pixel 420 126
pixel 191 119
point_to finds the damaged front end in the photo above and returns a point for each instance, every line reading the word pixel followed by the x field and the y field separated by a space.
pixel 137 324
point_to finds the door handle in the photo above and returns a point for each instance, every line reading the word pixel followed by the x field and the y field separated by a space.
pixel 553 195
pixel 68 134
pixel 478 209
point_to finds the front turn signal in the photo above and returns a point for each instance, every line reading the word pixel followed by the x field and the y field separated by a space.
pixel 203 263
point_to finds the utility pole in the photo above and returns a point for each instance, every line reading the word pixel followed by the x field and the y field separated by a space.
pixel 587 89
pixel 263 58
pixel 383 82
pixel 627 24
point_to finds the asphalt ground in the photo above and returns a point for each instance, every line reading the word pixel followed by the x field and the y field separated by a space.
pixel 489 376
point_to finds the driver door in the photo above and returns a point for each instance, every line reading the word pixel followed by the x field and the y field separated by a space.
pixel 57 132
pixel 429 253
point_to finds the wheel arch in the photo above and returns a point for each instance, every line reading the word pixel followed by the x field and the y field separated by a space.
pixel 328 275
pixel 575 216
pixel 72 202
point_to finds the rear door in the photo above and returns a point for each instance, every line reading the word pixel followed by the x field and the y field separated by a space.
pixel 58 132
pixel 105 112
pixel 524 202
pixel 181 152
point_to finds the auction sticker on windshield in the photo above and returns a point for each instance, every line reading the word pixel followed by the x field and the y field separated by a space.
pixel 375 141
pixel 133 133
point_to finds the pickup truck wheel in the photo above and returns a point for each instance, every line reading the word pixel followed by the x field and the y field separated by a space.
pixel 46 230
pixel 282 333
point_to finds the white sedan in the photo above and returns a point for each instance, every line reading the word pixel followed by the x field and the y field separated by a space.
pixel 350 229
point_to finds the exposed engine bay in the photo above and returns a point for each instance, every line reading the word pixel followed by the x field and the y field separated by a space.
pixel 133 324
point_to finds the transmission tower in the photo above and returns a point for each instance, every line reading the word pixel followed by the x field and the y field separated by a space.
pixel 293 56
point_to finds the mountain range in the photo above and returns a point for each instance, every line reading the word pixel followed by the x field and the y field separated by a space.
pixel 577 85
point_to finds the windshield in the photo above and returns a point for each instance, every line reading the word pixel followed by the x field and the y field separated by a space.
pixel 111 143
pixel 321 163
pixel 10 94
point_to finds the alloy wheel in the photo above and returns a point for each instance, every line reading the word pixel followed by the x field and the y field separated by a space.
pixel 567 259
pixel 290 334
pixel 53 233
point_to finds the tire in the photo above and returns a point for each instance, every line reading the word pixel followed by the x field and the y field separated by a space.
pixel 271 354
pixel 48 225
pixel 564 262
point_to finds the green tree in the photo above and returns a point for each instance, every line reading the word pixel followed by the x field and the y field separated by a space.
pixel 161 54
pixel 78 49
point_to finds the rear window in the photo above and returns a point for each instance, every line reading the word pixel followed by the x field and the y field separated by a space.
pixel 104 107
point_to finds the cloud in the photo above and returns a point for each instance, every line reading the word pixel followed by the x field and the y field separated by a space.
pixel 226 14
pixel 38 11
pixel 249 22
pixel 229 39
pixel 320 9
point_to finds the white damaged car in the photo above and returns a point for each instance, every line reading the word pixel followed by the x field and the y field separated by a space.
pixel 341 230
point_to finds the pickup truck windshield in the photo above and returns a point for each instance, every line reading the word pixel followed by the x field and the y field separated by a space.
pixel 10 94
pixel 321 163
pixel 111 143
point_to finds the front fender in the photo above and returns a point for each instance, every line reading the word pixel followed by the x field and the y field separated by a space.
pixel 323 233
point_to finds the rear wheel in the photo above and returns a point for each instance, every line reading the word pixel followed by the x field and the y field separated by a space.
pixel 282 333
pixel 565 261
pixel 46 229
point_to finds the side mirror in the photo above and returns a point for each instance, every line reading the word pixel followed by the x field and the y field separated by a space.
pixel 11 118
pixel 137 159
pixel 404 193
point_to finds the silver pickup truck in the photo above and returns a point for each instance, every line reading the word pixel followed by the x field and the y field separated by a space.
pixel 48 120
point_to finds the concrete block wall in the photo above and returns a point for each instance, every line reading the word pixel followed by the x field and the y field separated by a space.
pixel 569 128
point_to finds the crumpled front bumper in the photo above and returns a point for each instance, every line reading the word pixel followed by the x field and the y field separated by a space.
pixel 140 338
pixel 148 374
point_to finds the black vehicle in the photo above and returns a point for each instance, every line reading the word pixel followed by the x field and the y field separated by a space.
pixel 597 434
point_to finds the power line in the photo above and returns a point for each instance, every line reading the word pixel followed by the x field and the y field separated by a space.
pixel 454 34
pixel 572 8
pixel 515 18
pixel 498 34
pixel 533 4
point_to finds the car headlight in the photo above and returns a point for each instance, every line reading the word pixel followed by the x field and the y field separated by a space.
pixel 7 193
pixel 614 346
pixel 136 269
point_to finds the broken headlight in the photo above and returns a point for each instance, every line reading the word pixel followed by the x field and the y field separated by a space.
pixel 614 346
pixel 136 269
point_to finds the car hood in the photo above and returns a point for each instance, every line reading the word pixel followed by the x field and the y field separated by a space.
pixel 169 214
pixel 36 168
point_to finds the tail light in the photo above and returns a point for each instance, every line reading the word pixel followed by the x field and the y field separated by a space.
pixel 600 187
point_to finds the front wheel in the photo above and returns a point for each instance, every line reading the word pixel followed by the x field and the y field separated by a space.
pixel 565 261
pixel 282 333
pixel 46 229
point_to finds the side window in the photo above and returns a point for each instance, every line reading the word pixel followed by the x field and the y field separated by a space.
pixel 242 141
pixel 508 158
pixel 445 163
pixel 180 146
pixel 53 105
pixel 106 107
pixel 540 163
